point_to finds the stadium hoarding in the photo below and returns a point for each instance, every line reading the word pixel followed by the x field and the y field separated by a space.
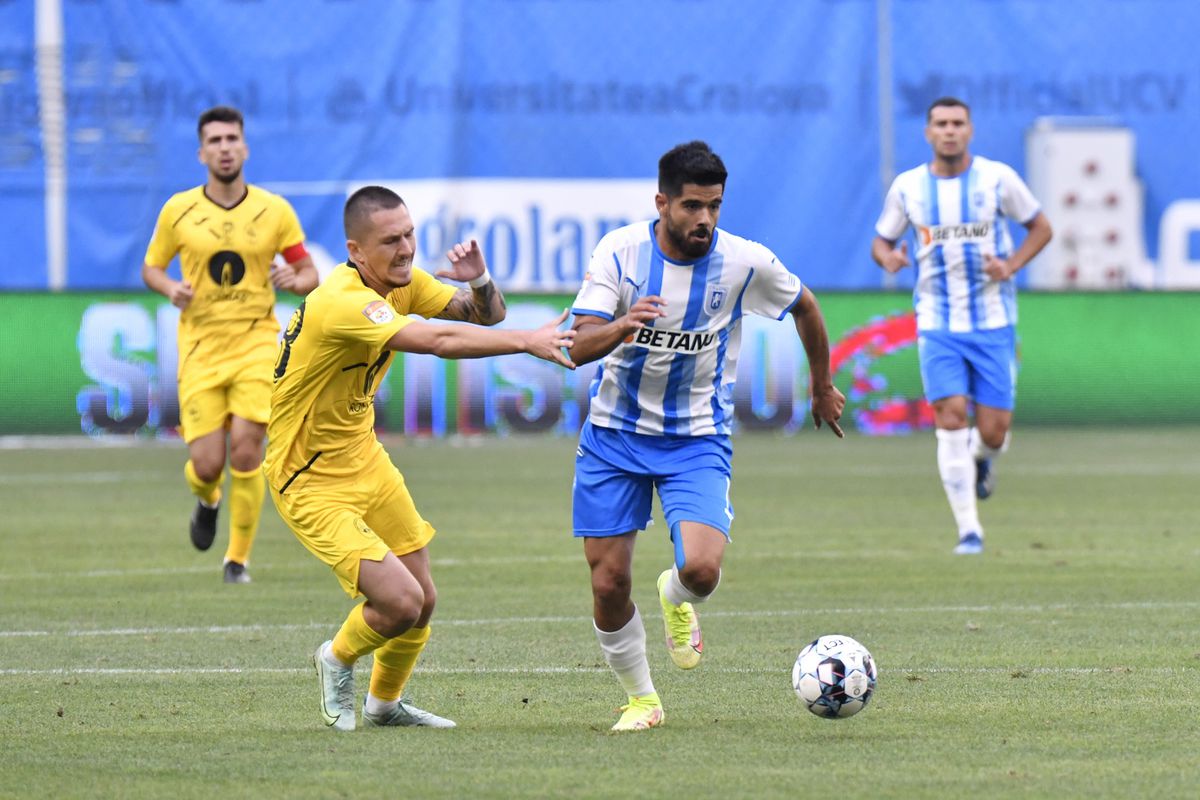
pixel 98 130
pixel 104 364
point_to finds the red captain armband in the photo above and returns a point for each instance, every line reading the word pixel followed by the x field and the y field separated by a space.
pixel 294 253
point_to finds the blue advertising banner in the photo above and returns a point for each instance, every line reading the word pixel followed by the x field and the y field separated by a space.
pixel 22 169
pixel 1130 63
pixel 455 103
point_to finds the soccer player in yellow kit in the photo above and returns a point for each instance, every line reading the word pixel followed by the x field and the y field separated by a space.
pixel 331 479
pixel 226 233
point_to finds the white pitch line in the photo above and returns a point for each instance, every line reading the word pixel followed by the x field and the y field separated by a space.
pixel 1075 469
pixel 82 443
pixel 108 573
pixel 130 573
pixel 440 563
pixel 447 563
pixel 292 670
pixel 54 478
pixel 582 619
pixel 898 671
pixel 182 631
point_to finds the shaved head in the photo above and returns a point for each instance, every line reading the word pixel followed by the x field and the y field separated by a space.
pixel 362 204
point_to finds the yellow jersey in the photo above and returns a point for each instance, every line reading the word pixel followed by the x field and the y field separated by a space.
pixel 331 361
pixel 226 255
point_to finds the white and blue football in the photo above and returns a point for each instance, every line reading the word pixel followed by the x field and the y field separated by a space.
pixel 834 676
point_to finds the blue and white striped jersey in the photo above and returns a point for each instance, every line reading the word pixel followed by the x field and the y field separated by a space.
pixel 675 377
pixel 957 222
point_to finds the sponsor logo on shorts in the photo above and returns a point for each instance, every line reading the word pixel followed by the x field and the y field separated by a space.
pixel 379 312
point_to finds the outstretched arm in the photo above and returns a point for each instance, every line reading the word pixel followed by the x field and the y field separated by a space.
pixel 483 302
pixel 467 341
pixel 595 337
pixel 827 399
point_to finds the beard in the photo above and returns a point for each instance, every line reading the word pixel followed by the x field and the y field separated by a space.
pixel 690 247
pixel 228 178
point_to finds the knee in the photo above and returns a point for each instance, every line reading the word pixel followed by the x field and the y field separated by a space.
pixel 993 440
pixel 398 614
pixel 700 578
pixel 951 420
pixel 950 413
pixel 245 454
pixel 611 587
pixel 207 468
pixel 427 605
pixel 993 435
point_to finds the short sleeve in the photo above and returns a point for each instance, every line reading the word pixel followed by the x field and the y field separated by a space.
pixel 290 232
pixel 363 317
pixel 772 290
pixel 426 295
pixel 893 220
pixel 163 244
pixel 600 294
pixel 1016 201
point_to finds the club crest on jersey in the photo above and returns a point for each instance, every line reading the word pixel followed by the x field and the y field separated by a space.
pixel 715 295
pixel 379 312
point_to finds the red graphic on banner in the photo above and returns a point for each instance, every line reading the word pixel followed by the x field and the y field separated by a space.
pixel 858 350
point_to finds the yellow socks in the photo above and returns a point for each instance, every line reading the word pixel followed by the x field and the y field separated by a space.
pixel 356 638
pixel 394 663
pixel 246 493
pixel 209 493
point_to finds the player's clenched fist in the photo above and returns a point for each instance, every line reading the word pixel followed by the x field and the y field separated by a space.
pixel 180 295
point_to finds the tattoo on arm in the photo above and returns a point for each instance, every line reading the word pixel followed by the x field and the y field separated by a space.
pixel 481 306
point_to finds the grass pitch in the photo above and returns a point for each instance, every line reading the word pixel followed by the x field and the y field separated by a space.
pixel 1062 663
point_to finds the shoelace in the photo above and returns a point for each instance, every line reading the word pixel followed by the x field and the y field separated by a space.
pixel 345 688
pixel 412 712
pixel 681 627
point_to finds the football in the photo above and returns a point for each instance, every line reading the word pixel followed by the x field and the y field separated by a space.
pixel 834 676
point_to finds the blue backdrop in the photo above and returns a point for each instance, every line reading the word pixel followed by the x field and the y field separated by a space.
pixel 787 91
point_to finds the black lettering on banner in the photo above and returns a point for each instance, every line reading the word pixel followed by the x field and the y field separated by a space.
pixel 285 344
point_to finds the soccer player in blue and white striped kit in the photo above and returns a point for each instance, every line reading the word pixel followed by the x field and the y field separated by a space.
pixel 662 304
pixel 965 298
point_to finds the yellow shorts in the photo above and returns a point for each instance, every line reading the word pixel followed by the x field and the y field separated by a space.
pixel 220 378
pixel 344 520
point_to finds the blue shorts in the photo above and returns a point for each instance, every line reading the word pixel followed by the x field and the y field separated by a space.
pixel 616 474
pixel 981 365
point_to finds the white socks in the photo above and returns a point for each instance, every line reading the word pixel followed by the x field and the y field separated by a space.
pixel 957 468
pixel 375 706
pixel 980 451
pixel 679 594
pixel 625 652
pixel 331 659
